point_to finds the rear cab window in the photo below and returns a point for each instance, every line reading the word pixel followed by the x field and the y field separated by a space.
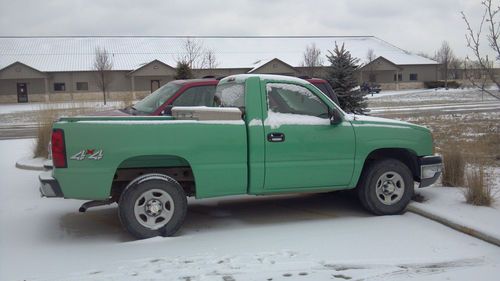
pixel 230 94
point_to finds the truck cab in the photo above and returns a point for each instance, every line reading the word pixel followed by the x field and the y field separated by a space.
pixel 191 92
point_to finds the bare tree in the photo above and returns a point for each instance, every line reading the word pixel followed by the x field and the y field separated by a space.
pixel 209 60
pixel 312 59
pixel 425 55
pixel 490 18
pixel 476 75
pixel 444 57
pixel 456 65
pixel 192 53
pixel 102 65
pixel 370 56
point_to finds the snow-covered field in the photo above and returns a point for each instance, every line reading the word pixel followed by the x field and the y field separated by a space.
pixel 307 237
pixel 27 107
pixel 27 114
pixel 427 96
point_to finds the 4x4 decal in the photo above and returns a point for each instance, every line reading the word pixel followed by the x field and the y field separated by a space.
pixel 92 154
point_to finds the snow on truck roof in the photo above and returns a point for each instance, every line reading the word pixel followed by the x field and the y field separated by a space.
pixel 272 77
pixel 75 53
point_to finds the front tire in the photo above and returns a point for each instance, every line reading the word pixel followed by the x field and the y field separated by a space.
pixel 386 187
pixel 153 206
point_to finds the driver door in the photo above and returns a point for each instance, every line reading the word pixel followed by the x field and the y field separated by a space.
pixel 303 150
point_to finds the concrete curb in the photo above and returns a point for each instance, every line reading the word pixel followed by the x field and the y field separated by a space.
pixel 462 228
pixel 33 164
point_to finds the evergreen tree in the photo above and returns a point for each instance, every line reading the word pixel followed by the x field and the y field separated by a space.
pixel 183 71
pixel 341 78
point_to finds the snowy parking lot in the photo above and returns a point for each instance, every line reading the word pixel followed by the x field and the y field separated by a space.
pixel 306 237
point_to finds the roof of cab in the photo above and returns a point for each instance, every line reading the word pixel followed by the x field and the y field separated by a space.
pixel 207 81
pixel 267 77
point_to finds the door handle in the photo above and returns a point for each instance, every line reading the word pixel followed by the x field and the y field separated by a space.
pixel 276 137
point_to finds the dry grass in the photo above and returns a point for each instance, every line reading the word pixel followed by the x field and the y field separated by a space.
pixel 453 167
pixel 45 117
pixel 477 191
pixel 474 134
pixel 468 142
pixel 128 100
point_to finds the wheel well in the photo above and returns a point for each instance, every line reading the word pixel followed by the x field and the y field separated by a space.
pixel 175 167
pixel 408 157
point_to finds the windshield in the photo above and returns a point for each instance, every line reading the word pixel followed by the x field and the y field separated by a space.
pixel 150 103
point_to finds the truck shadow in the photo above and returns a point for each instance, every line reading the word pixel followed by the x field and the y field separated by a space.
pixel 102 223
pixel 252 210
pixel 223 213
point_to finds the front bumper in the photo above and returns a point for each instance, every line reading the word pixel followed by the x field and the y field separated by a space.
pixel 430 169
pixel 49 186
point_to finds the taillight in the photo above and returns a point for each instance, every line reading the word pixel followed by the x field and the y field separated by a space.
pixel 58 149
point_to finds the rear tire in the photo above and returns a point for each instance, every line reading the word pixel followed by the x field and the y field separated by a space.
pixel 153 206
pixel 385 187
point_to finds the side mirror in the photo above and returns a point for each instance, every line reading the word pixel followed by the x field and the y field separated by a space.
pixel 335 117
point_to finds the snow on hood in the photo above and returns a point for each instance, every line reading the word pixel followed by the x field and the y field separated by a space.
pixel 364 120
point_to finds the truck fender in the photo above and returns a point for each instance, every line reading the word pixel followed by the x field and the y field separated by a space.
pixel 147 177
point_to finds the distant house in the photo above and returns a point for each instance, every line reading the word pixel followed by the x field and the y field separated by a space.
pixel 35 69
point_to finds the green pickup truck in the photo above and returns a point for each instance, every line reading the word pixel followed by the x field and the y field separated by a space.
pixel 268 134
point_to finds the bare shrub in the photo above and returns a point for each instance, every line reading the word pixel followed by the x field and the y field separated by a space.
pixel 45 117
pixel 128 100
pixel 477 191
pixel 453 167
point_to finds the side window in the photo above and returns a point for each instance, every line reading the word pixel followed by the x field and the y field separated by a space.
pixel 295 99
pixel 196 96
pixel 230 95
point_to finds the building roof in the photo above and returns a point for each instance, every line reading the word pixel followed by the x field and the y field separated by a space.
pixel 70 53
pixel 259 64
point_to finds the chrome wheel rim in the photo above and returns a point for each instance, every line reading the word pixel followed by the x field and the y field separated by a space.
pixel 154 208
pixel 390 188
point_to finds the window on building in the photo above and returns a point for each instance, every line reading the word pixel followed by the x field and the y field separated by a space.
pixel 400 77
pixel 82 86
pixel 372 77
pixel 413 76
pixel 59 87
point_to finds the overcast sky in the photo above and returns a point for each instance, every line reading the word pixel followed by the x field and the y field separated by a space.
pixel 417 26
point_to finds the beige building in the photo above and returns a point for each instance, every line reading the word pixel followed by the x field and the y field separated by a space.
pixel 37 69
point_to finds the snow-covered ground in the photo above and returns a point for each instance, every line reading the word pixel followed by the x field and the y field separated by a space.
pixel 386 93
pixel 306 237
pixel 445 108
pixel 428 96
pixel 449 203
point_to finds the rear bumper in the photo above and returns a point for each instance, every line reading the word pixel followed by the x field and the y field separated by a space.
pixel 49 186
pixel 430 169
